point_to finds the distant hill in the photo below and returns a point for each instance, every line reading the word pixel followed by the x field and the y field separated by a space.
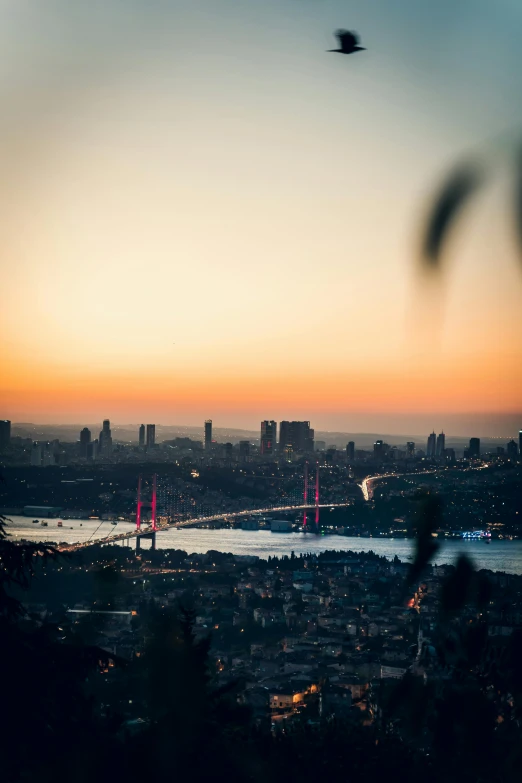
pixel 128 433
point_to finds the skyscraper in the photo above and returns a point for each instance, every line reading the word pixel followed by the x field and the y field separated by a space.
pixel 378 449
pixel 350 451
pixel 208 434
pixel 512 450
pixel 244 448
pixel 268 437
pixel 410 449
pixel 141 435
pixel 85 439
pixel 5 434
pixel 474 448
pixel 296 436
pixel 441 445
pixel 92 450
pixel 520 445
pixel 151 436
pixel 36 454
pixel 105 439
pixel 431 449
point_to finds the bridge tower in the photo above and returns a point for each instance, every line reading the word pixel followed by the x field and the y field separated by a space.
pixel 305 495
pixel 138 512
pixel 317 498
pixel 308 487
pixel 153 513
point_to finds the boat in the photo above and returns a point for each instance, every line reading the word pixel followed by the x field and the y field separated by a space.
pixel 43 524
pixel 60 523
pixel 35 521
pixel 114 523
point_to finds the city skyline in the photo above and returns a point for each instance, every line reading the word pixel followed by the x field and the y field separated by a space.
pixel 219 180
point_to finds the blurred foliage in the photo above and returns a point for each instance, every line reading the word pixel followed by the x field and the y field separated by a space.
pixel 453 196
pixel 448 204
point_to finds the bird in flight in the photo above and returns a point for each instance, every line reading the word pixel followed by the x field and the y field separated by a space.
pixel 348 43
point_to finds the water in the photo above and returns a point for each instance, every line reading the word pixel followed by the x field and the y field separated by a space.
pixel 497 556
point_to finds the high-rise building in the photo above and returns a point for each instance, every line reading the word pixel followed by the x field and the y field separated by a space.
pixel 520 444
pixel 431 450
pixel 5 434
pixel 229 451
pixel 350 451
pixel 410 449
pixel 151 436
pixel 36 454
pixel 105 439
pixel 268 437
pixel 208 434
pixel 296 436
pixel 474 448
pixel 92 449
pixel 85 439
pixel 512 450
pixel 244 448
pixel 48 455
pixel 378 449
pixel 141 435
pixel 441 445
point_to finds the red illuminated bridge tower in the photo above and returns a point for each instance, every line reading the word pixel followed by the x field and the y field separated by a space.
pixel 153 515
pixel 311 487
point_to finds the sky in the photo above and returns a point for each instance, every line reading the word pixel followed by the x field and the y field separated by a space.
pixel 206 215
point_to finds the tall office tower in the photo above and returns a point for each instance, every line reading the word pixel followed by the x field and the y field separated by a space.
pixel 268 437
pixel 474 447
pixel 410 449
pixel 350 451
pixel 520 445
pixel 296 436
pixel 229 451
pixel 432 445
pixel 141 435
pixel 105 439
pixel 48 457
pixel 151 436
pixel 5 434
pixel 441 445
pixel 92 449
pixel 208 434
pixel 85 439
pixel 512 450
pixel 378 449
pixel 244 448
pixel 36 454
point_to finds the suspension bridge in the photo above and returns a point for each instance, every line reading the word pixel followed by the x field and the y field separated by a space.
pixel 310 504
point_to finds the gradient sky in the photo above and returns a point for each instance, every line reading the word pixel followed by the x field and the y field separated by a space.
pixel 207 215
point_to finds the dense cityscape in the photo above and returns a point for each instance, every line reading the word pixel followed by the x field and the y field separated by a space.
pixel 216 211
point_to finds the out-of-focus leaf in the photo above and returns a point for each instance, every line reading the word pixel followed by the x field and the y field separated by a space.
pixel 455 589
pixel 449 202
pixel 429 518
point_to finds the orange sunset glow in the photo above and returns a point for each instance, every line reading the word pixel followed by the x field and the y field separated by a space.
pixel 194 231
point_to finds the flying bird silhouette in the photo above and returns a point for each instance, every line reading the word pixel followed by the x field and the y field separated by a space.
pixel 348 43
